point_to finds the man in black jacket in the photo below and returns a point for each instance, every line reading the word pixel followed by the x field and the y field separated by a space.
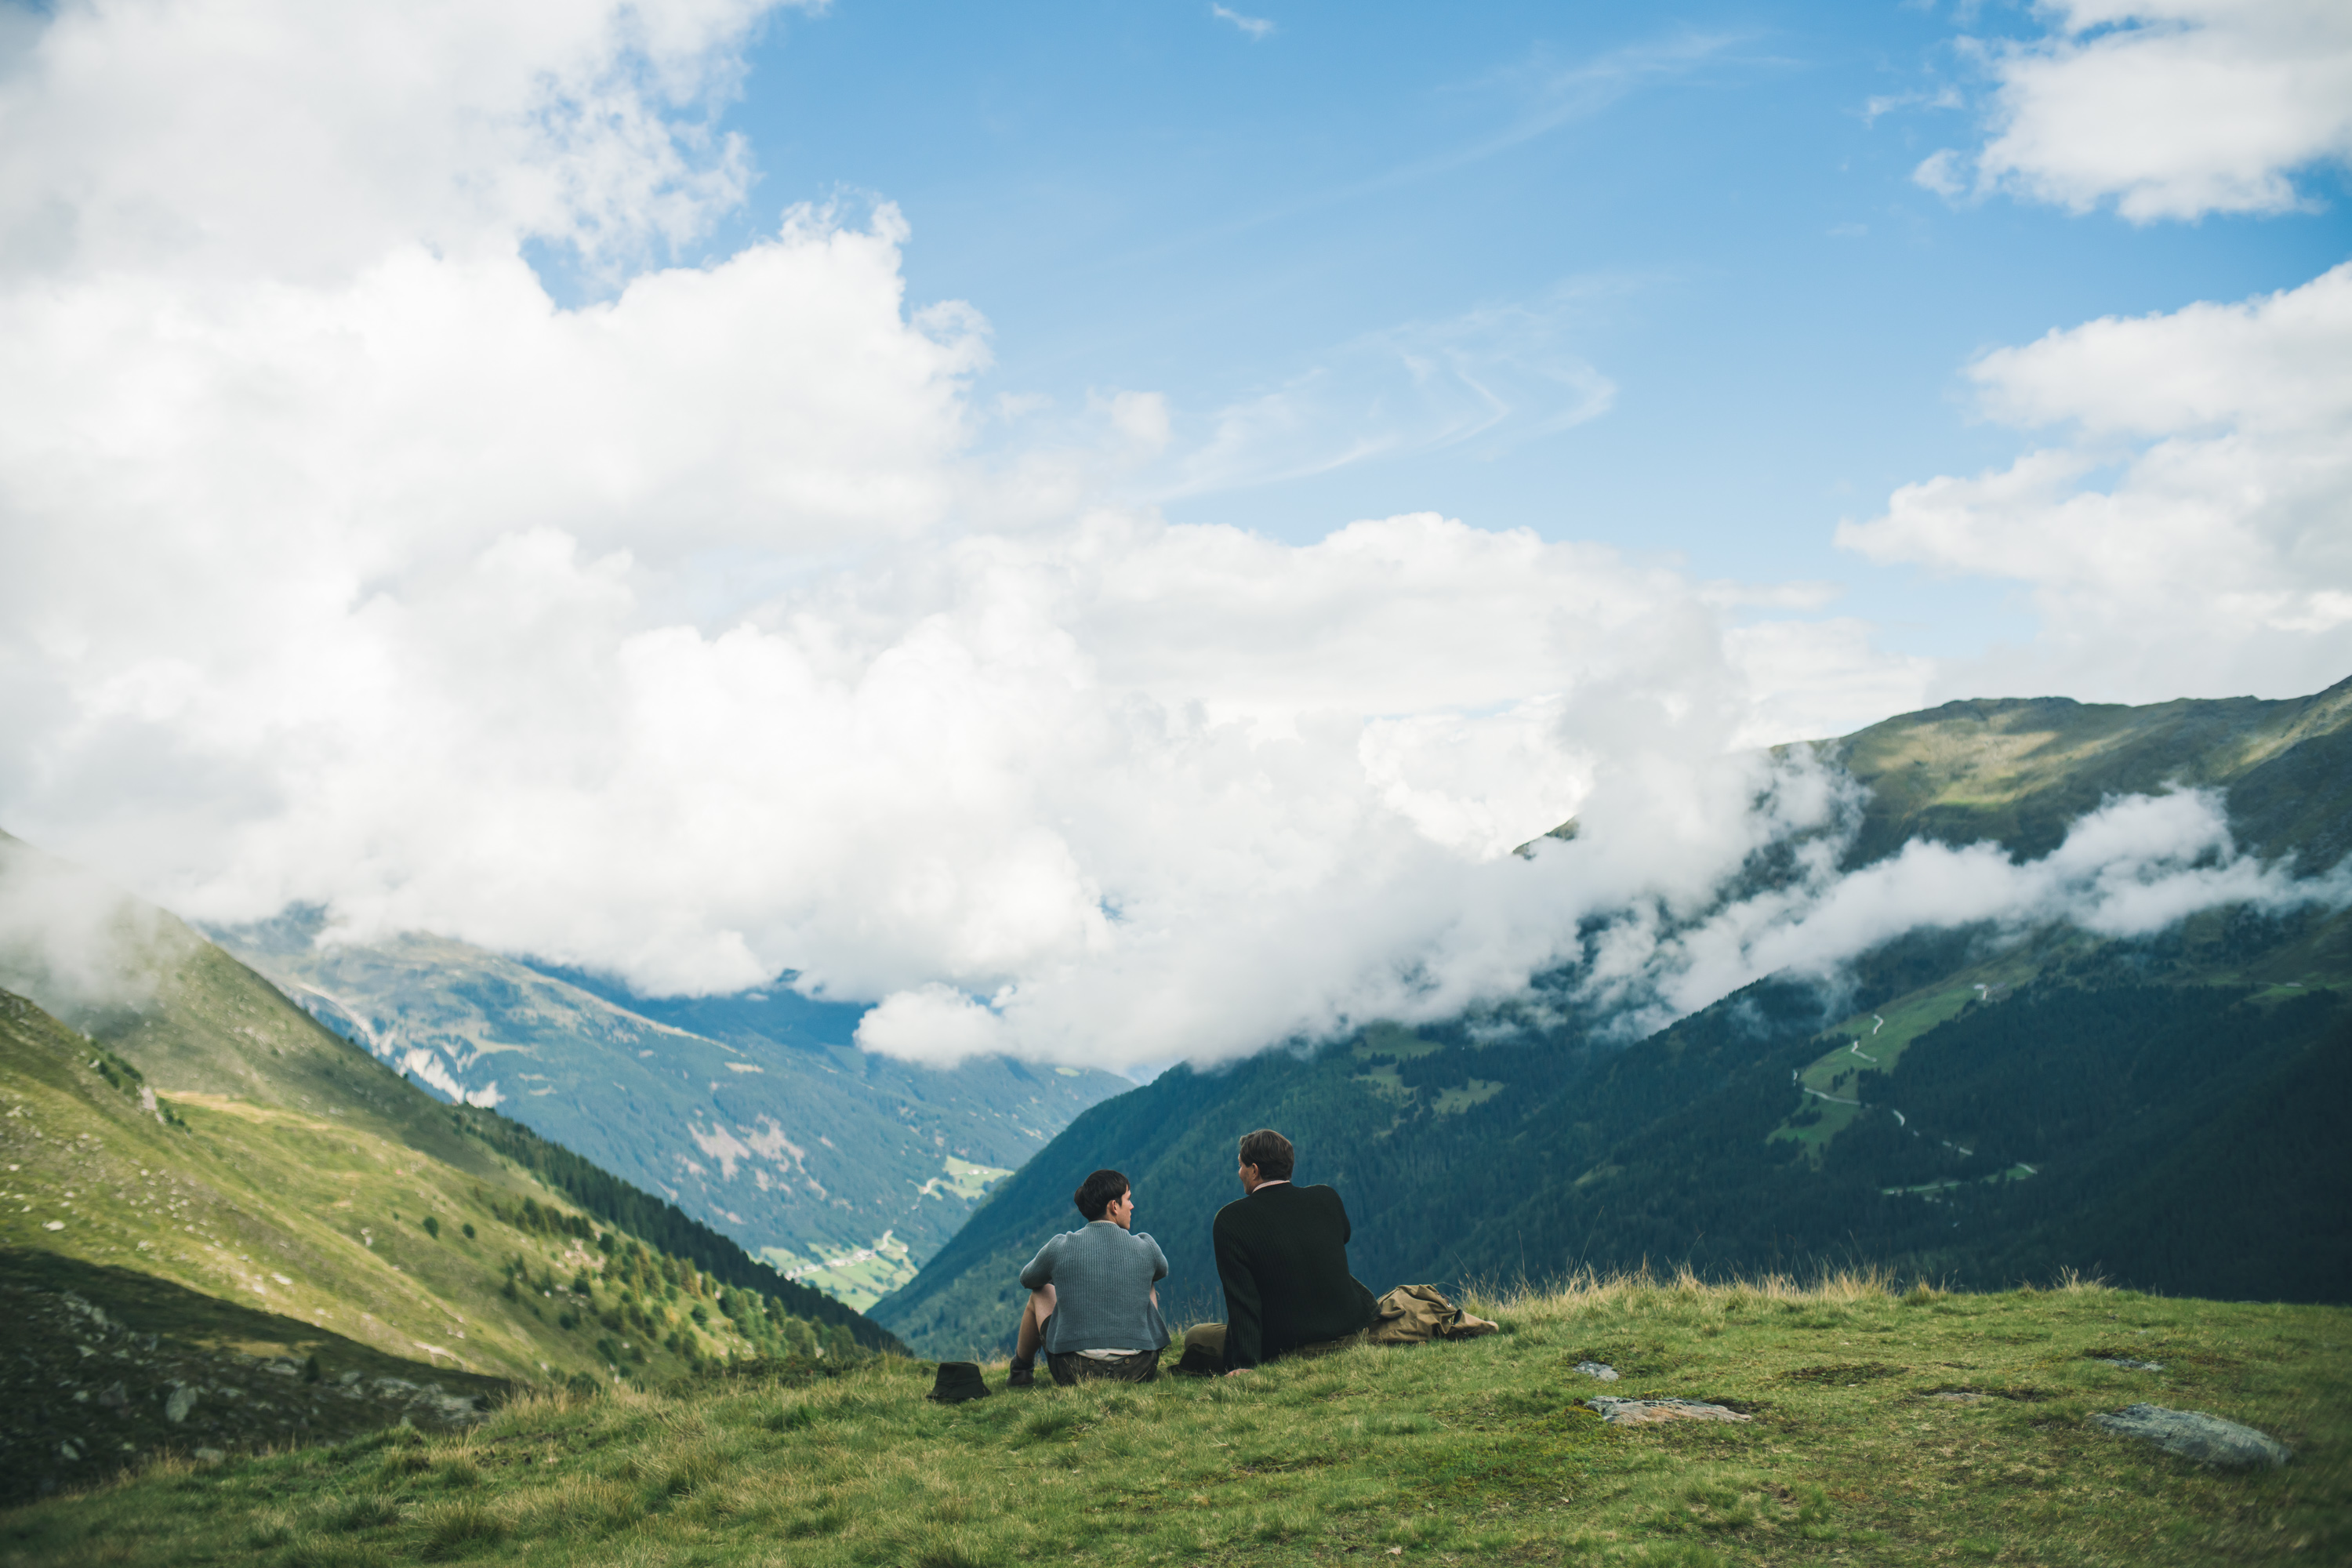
pixel 1282 1255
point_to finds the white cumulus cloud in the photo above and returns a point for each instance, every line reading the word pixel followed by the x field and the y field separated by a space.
pixel 2189 532
pixel 308 140
pixel 2132 868
pixel 2171 108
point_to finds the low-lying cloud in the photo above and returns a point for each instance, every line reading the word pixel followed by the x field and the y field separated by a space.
pixel 75 945
pixel 2135 867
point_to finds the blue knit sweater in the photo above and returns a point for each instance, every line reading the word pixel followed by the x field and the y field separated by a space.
pixel 1102 1278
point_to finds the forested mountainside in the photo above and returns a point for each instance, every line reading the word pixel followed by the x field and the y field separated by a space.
pixel 1976 1105
pixel 755 1113
pixel 185 1124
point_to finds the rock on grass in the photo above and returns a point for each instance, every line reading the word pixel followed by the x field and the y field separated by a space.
pixel 1649 1412
pixel 2193 1434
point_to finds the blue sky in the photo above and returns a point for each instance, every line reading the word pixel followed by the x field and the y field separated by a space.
pixel 1711 208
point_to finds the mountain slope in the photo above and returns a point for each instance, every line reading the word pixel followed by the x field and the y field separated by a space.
pixel 92 1386
pixel 192 1126
pixel 2019 771
pixel 1767 1131
pixel 754 1112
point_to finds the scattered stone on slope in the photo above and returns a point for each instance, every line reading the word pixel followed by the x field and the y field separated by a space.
pixel 2193 1434
pixel 1650 1412
pixel 86 1389
pixel 1599 1369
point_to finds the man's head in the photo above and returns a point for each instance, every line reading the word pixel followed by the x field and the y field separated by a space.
pixel 1265 1156
pixel 1099 1193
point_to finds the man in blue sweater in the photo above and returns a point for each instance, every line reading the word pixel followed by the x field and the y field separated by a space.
pixel 1093 1303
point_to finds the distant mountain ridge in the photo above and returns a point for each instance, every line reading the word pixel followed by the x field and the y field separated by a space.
pixel 2019 770
pixel 754 1112
pixel 2168 1109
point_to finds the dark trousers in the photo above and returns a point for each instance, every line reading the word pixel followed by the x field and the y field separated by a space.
pixel 1205 1349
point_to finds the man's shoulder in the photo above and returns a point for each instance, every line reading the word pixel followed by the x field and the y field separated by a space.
pixel 1292 1192
pixel 1277 1198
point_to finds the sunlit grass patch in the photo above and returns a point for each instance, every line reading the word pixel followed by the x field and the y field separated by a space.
pixel 456 1530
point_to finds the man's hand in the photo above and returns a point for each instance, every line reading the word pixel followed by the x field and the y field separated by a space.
pixel 1238 1371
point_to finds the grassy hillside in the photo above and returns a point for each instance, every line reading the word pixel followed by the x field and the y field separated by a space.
pixel 465 1258
pixel 135 979
pixel 1980 1107
pixel 192 1128
pixel 2019 771
pixel 1881 1429
pixel 314 1215
pixel 754 1112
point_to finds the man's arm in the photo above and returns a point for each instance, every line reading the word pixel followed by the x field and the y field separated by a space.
pixel 1040 1271
pixel 1245 1318
pixel 1159 1260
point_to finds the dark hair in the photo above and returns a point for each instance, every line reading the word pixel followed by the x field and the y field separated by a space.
pixel 1098 1193
pixel 1270 1152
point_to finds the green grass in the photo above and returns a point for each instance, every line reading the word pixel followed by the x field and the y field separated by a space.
pixel 1477 1452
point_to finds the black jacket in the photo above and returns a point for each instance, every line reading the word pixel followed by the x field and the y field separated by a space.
pixel 1282 1254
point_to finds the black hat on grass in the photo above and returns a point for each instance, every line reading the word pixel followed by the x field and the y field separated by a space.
pixel 957 1381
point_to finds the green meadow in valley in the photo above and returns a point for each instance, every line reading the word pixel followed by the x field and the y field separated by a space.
pixel 1882 1428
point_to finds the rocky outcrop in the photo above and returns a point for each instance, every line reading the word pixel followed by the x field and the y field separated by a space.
pixel 2193 1434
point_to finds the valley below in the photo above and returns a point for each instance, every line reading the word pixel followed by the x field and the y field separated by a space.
pixel 756 1113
